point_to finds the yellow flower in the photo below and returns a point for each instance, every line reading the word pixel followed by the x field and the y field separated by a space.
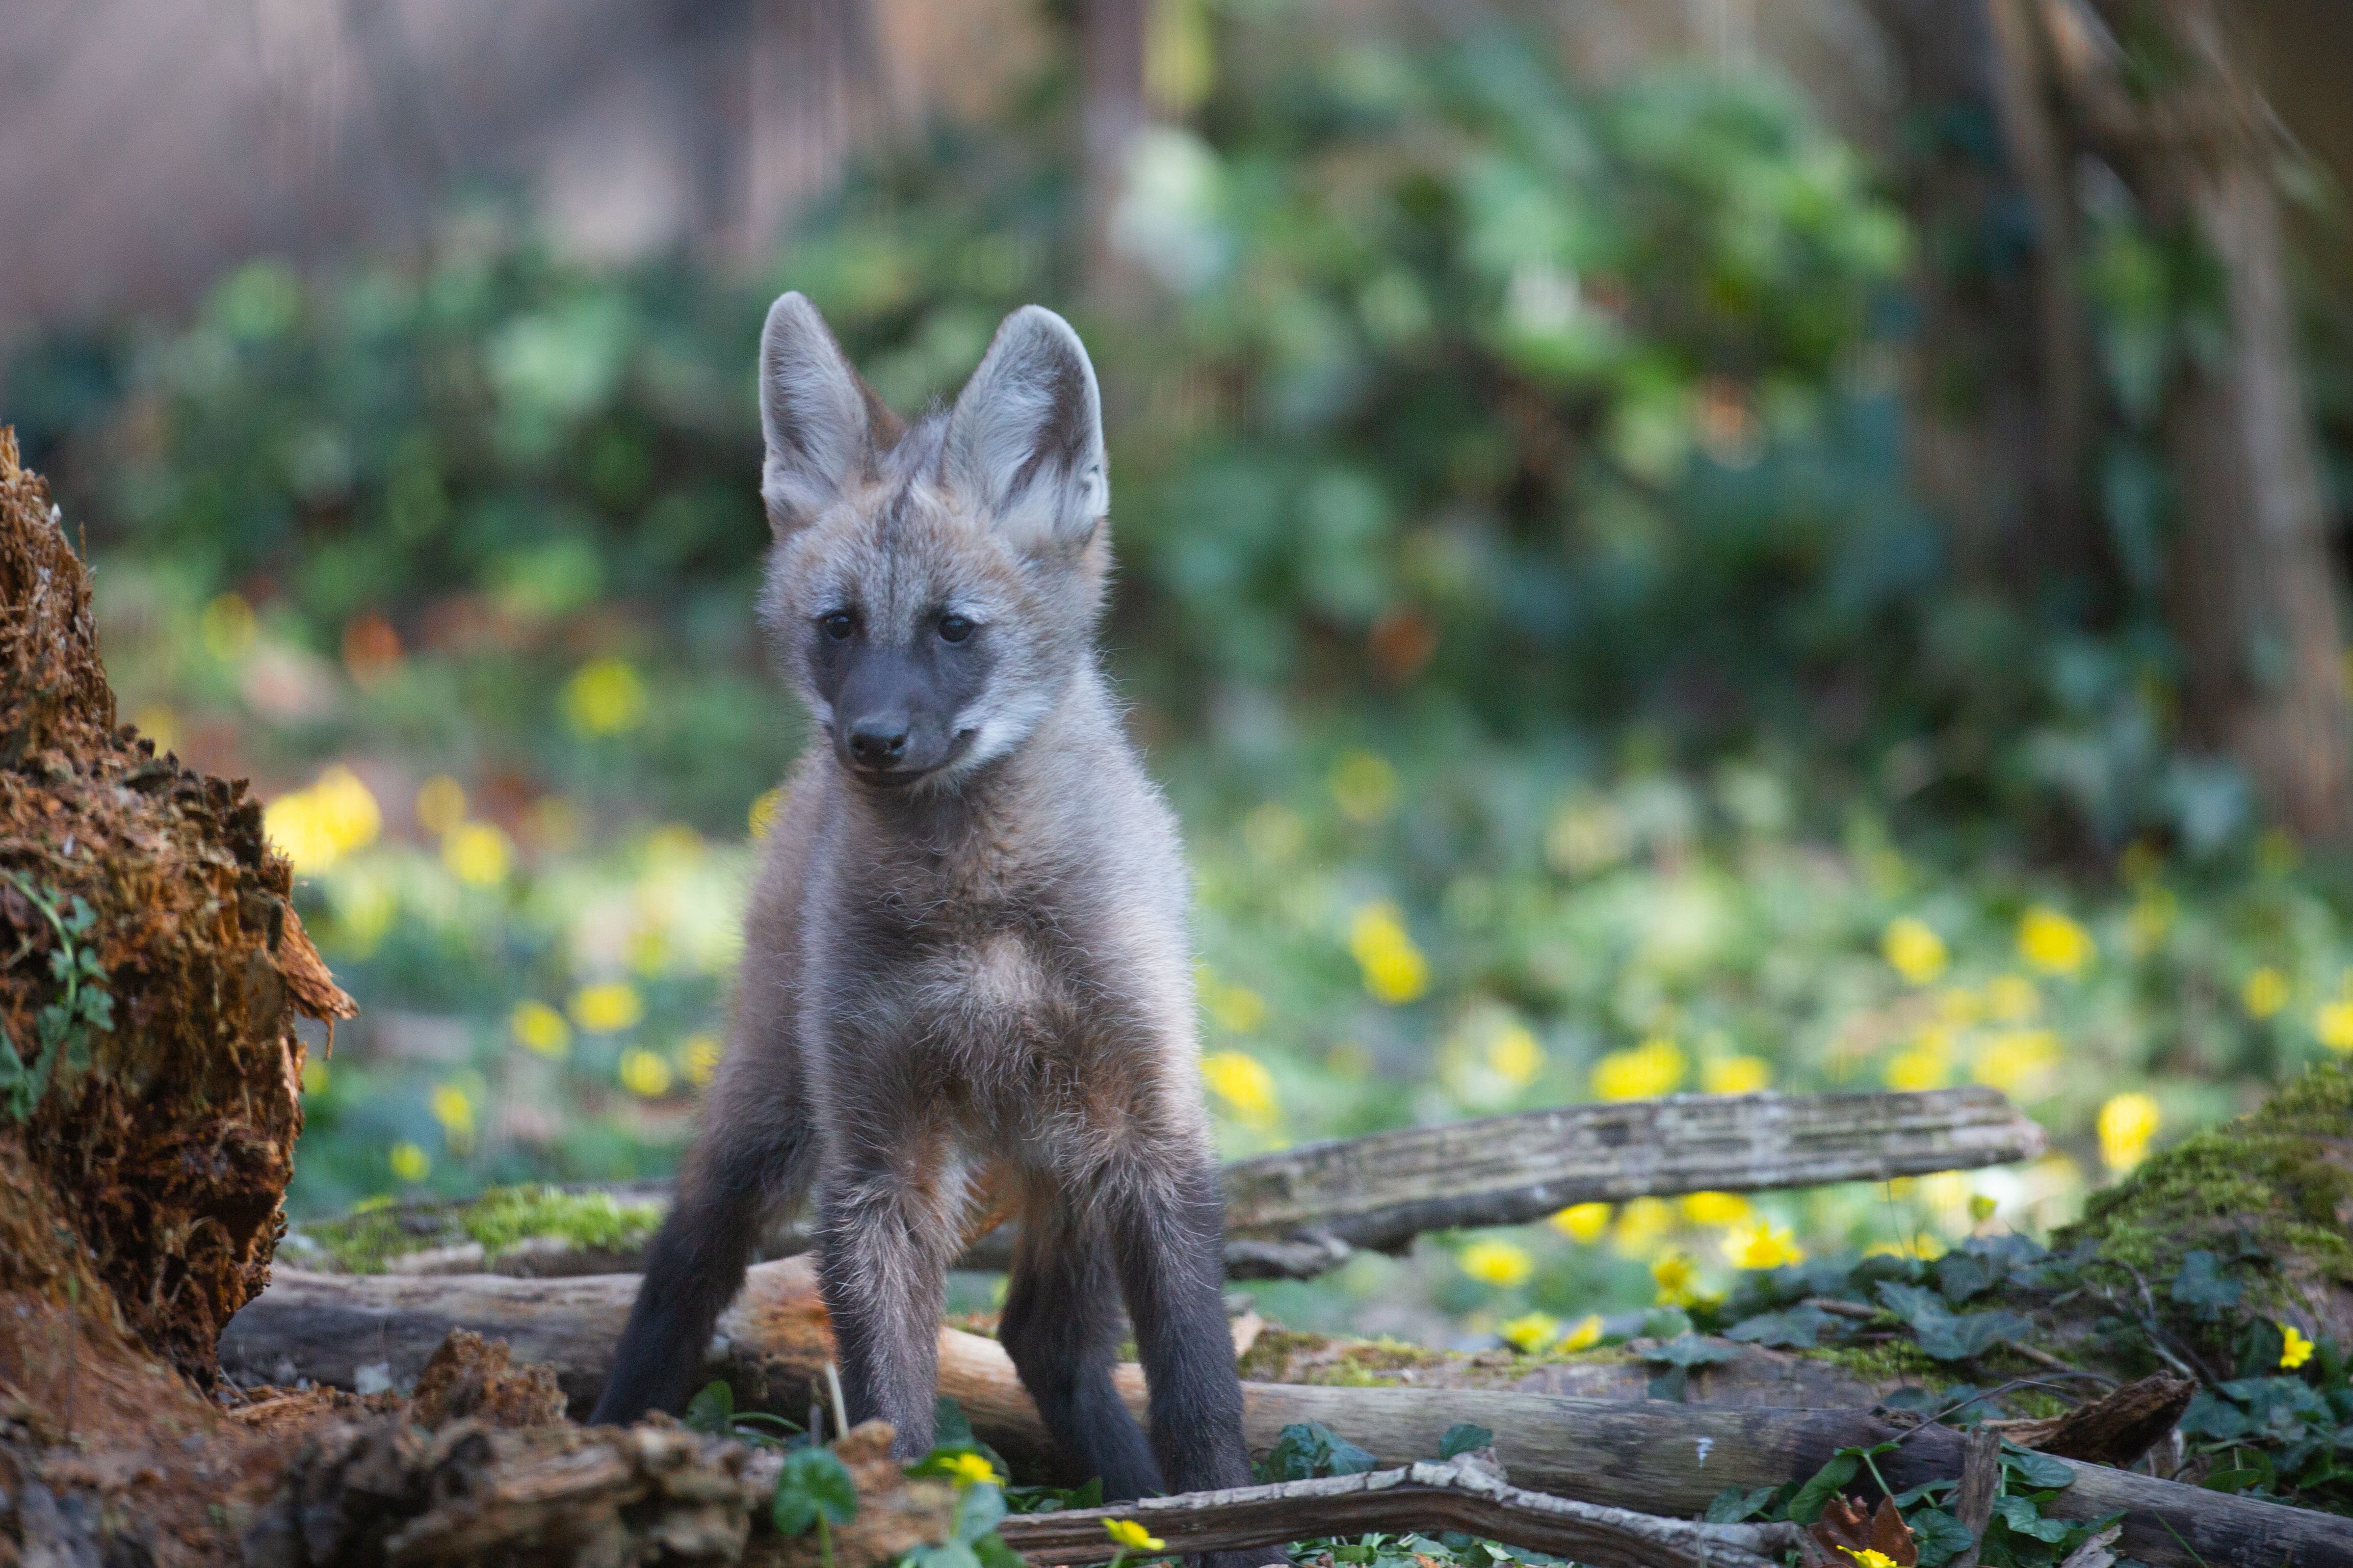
pixel 1237 1009
pixel 701 1053
pixel 1502 1264
pixel 1677 1278
pixel 1763 1245
pixel 2054 944
pixel 409 1162
pixel 1364 786
pixel 762 814
pixel 1924 1065
pixel 608 1007
pixel 1273 833
pixel 2264 994
pixel 1651 1068
pixel 453 1107
pixel 969 1469
pixel 1914 950
pixel 605 697
pixel 1640 1224
pixel 1869 1557
pixel 1248 1088
pixel 1583 1335
pixel 2126 1123
pixel 440 803
pixel 1715 1209
pixel 226 628
pixel 315 1075
pixel 2296 1349
pixel 2013 998
pixel 1132 1536
pixel 1530 1332
pixel 1395 970
pixel 1734 1075
pixel 1514 1056
pixel 1926 1248
pixel 645 1074
pixel 2333 1025
pixel 478 853
pixel 1982 1206
pixel 2021 1063
pixel 540 1029
pixel 2152 917
pixel 1582 1222
pixel 317 827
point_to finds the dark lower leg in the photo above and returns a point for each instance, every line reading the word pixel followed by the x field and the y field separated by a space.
pixel 884 1271
pixel 1061 1326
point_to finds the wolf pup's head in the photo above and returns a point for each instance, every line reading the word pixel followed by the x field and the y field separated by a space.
pixel 935 586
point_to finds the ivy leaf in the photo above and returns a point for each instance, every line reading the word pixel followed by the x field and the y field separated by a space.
pixel 1464 1437
pixel 712 1409
pixel 1732 1505
pixel 1796 1329
pixel 815 1485
pixel 1816 1494
pixel 946 1554
pixel 1691 1350
pixel 980 1507
pixel 2037 1470
pixel 2202 1286
pixel 950 1427
pixel 1306 1449
pixel 1939 1535
pixel 2024 1518
pixel 1960 1276
pixel 993 1554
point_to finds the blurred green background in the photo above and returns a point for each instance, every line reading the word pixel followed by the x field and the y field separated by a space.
pixel 1533 593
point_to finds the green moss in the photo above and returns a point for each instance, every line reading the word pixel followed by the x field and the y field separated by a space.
pixel 589 1221
pixel 2281 1173
pixel 1286 1356
pixel 1895 1361
pixel 365 1240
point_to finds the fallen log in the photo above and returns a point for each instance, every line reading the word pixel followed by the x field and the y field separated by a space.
pixel 1652 1456
pixel 1303 1211
pixel 1428 1497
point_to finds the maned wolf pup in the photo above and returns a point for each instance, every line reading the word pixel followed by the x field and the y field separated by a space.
pixel 967 944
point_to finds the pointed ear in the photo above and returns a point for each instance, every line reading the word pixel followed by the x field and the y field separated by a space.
pixel 1026 437
pixel 821 422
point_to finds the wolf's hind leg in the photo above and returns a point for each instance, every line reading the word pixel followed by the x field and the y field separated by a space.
pixel 741 1167
pixel 1061 1327
pixel 1167 1217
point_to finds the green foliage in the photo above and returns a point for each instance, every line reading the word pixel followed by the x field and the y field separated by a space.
pixel 1306 1449
pixel 82 1006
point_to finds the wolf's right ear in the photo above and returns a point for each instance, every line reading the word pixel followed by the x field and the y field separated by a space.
pixel 820 420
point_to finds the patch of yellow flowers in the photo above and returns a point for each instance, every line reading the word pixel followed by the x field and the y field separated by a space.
pixel 1395 971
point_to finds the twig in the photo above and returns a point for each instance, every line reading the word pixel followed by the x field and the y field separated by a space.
pixel 1459 1494
pixel 1980 1479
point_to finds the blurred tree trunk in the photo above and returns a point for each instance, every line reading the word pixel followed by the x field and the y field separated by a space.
pixel 1112 112
pixel 2253 586
pixel 1998 379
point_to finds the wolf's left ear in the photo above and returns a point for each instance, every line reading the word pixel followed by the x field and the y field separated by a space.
pixel 1026 437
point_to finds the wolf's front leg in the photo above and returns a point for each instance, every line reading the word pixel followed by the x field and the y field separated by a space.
pixel 887 1228
pixel 1166 1215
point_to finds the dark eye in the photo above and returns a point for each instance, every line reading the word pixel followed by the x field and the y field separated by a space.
pixel 954 628
pixel 839 625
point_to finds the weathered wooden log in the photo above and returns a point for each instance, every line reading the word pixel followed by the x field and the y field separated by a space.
pixel 1429 1498
pixel 1299 1213
pixel 1383 1190
pixel 1652 1457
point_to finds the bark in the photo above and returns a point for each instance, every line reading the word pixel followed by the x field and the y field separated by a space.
pixel 2116 1429
pixel 1980 1479
pixel 1303 1211
pixel 2254 588
pixel 1652 1457
pixel 1428 1497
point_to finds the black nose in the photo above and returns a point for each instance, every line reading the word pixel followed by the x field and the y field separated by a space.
pixel 878 743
